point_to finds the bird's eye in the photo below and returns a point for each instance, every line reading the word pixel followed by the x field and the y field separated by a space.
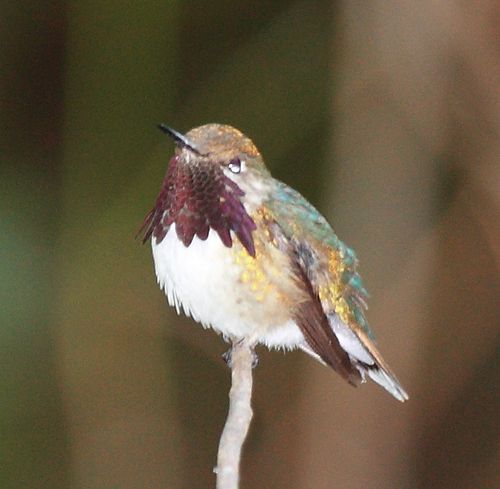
pixel 235 165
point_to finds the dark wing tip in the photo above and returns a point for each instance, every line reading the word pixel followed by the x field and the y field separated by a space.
pixel 146 228
pixel 314 325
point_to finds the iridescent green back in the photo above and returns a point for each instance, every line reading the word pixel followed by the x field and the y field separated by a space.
pixel 335 278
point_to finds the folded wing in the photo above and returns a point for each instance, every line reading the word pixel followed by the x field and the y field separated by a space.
pixel 332 319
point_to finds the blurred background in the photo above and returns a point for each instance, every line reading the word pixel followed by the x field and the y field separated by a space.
pixel 385 114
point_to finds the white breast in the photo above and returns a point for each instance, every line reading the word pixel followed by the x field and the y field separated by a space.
pixel 204 280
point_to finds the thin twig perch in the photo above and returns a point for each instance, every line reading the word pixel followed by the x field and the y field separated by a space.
pixel 238 418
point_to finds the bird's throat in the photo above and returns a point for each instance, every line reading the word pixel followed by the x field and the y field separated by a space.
pixel 196 198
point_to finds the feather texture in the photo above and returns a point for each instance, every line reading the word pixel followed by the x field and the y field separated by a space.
pixel 327 268
pixel 251 258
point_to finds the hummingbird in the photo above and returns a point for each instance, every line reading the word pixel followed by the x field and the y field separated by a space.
pixel 248 256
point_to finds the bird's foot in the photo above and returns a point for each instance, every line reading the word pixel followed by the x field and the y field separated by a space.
pixel 255 359
pixel 228 358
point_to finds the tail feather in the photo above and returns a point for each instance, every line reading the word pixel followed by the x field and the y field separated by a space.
pixel 387 381
pixel 377 374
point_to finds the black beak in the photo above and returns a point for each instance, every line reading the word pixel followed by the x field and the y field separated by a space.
pixel 179 138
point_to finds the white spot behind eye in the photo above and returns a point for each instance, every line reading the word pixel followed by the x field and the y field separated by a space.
pixel 236 165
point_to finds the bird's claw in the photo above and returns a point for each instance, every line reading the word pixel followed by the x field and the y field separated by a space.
pixel 228 358
pixel 255 359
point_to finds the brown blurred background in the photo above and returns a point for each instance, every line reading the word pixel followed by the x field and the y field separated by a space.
pixel 386 114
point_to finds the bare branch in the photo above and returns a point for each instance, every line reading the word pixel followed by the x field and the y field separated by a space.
pixel 238 418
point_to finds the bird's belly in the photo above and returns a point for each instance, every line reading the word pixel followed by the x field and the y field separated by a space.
pixel 207 280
